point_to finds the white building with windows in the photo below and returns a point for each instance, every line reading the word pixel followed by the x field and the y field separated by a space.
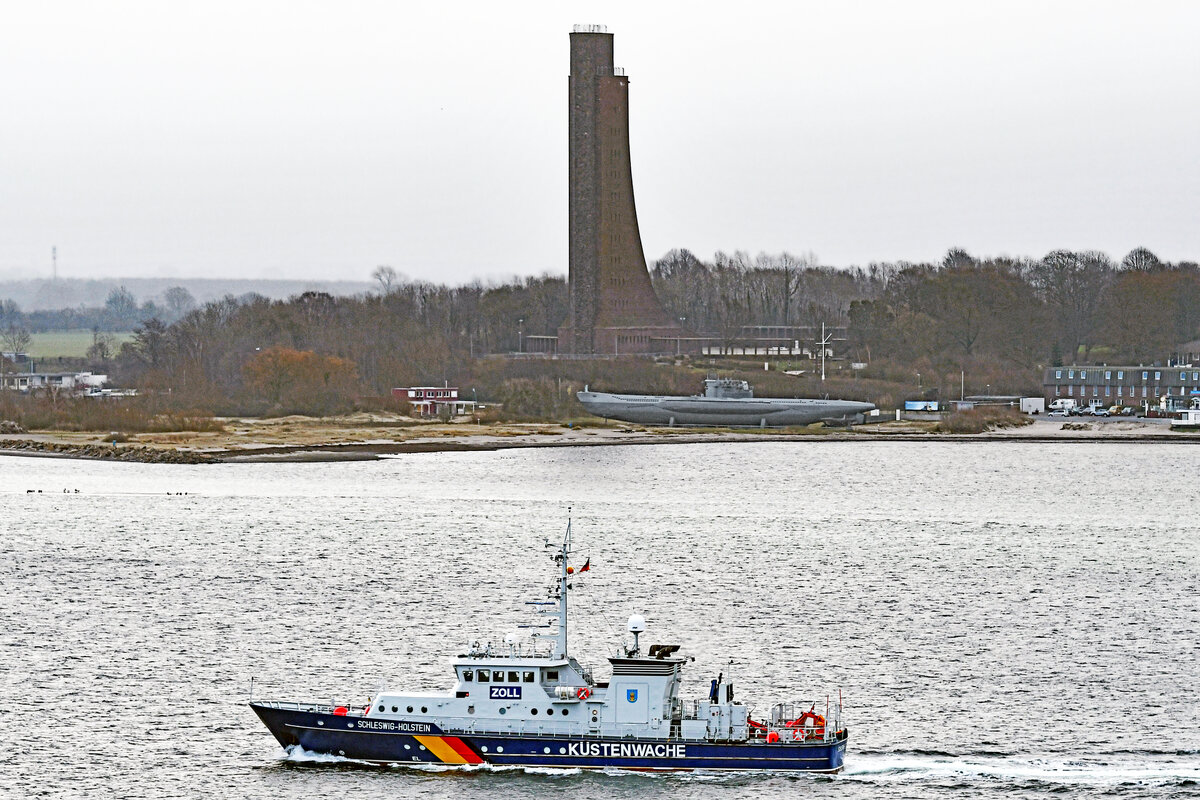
pixel 75 382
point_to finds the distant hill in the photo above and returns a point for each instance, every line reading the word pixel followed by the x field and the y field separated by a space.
pixel 45 294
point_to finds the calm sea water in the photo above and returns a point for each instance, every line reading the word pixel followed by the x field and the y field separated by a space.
pixel 1002 619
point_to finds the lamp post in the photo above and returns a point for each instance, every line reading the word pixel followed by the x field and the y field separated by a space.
pixel 679 336
pixel 521 335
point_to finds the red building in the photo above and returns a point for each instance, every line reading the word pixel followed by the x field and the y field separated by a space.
pixel 431 401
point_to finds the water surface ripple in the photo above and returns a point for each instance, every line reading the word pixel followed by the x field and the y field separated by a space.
pixel 1003 619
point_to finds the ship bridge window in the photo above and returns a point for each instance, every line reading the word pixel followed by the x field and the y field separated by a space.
pixel 468 675
pixel 551 674
pixel 528 677
pixel 514 677
pixel 484 676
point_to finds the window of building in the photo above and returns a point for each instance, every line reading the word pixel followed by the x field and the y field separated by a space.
pixel 1058 374
pixel 1070 373
pixel 1144 374
pixel 1120 390
pixel 1083 374
pixel 1071 390
pixel 1095 391
pixel 1143 391
pixel 1120 375
pixel 1108 391
pixel 1157 376
pixel 1196 376
pixel 485 675
pixel 1108 375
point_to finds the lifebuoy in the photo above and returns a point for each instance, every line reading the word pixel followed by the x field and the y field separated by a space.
pixel 583 693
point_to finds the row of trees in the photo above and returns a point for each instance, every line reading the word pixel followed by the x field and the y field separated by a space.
pixel 997 317
pixel 121 312
pixel 1066 306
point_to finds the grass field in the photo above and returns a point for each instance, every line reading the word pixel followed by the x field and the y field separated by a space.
pixel 70 344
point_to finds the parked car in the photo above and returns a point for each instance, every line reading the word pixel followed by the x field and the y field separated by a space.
pixel 1059 412
pixel 1100 411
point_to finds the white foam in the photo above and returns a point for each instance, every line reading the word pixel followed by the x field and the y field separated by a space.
pixel 298 755
pixel 1056 770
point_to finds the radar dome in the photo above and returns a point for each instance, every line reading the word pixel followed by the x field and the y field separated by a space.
pixel 637 624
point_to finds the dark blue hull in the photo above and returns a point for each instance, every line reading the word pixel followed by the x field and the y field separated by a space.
pixel 407 742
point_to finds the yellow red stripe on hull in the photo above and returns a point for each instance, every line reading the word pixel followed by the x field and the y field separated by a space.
pixel 449 749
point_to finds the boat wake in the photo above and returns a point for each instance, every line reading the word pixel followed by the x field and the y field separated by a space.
pixel 1102 771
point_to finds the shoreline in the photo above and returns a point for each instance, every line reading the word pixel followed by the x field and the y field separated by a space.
pixel 299 440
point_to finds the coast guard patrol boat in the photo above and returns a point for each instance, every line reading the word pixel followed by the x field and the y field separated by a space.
pixel 519 708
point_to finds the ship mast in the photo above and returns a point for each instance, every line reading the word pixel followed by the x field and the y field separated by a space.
pixel 561 557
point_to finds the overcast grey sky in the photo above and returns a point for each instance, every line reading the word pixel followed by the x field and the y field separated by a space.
pixel 277 138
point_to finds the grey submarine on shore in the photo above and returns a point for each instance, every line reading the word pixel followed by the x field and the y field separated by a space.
pixel 726 402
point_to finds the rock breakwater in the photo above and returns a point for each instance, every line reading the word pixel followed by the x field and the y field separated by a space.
pixel 147 455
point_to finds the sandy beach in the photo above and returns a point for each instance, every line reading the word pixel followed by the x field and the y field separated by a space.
pixel 369 436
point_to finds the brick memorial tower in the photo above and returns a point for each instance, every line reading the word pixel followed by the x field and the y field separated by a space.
pixel 613 305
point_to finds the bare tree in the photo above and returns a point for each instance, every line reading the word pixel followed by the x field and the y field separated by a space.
pixel 386 276
pixel 1140 259
pixel 16 340
pixel 179 301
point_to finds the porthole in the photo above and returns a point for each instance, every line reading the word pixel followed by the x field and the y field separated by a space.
pixel 503 710
pixel 421 746
pixel 533 711
pixel 499 749
pixel 483 749
pixel 562 751
pixel 470 709
pixel 546 750
pixel 381 708
pixel 395 709
pixel 424 710
pixel 410 709
pixel 408 747
pixel 320 722
pixel 549 712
